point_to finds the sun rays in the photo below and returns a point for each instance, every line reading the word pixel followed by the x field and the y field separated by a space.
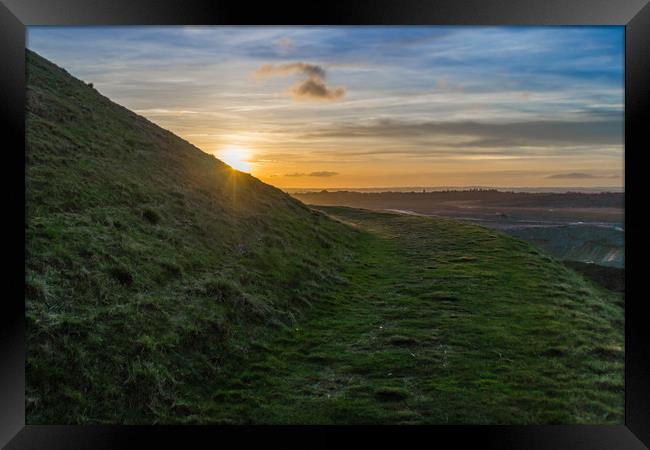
pixel 236 157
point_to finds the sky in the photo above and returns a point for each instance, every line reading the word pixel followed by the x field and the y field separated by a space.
pixel 355 107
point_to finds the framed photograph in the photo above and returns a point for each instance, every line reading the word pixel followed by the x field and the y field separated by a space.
pixel 415 219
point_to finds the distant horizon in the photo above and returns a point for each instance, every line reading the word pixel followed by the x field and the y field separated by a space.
pixel 590 189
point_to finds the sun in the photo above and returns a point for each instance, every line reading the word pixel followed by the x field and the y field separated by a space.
pixel 236 157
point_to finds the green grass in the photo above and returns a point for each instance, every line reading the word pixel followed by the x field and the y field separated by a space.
pixel 441 322
pixel 164 287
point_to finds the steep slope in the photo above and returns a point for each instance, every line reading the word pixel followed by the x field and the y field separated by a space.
pixel 164 287
pixel 147 260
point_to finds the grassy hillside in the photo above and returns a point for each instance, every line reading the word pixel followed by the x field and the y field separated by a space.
pixel 164 287
pixel 442 322
pixel 148 261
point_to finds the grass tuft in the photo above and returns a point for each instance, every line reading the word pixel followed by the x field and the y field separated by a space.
pixel 151 216
pixel 391 394
pixel 121 274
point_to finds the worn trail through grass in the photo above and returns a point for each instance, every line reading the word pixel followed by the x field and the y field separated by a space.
pixel 429 329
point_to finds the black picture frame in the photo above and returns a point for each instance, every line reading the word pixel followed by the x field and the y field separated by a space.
pixel 15 15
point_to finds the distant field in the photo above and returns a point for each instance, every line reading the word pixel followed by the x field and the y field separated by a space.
pixel 573 226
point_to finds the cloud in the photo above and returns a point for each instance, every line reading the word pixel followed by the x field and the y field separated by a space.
pixel 579 176
pixel 443 85
pixel 285 45
pixel 321 174
pixel 309 70
pixel 311 87
pixel 489 135
pixel 315 89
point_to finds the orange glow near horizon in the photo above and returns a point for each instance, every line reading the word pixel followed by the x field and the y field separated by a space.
pixel 321 165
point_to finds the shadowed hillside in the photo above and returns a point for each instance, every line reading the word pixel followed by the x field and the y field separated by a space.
pixel 162 286
pixel 148 261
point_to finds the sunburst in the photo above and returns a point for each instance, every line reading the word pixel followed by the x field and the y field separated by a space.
pixel 236 157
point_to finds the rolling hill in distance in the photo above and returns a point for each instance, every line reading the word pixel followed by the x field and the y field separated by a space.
pixel 163 286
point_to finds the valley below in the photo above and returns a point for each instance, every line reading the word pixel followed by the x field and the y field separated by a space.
pixel 572 226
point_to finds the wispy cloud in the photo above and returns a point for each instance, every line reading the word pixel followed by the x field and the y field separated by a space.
pixel 579 176
pixel 323 174
pixel 285 46
pixel 489 135
pixel 320 174
pixel 309 70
